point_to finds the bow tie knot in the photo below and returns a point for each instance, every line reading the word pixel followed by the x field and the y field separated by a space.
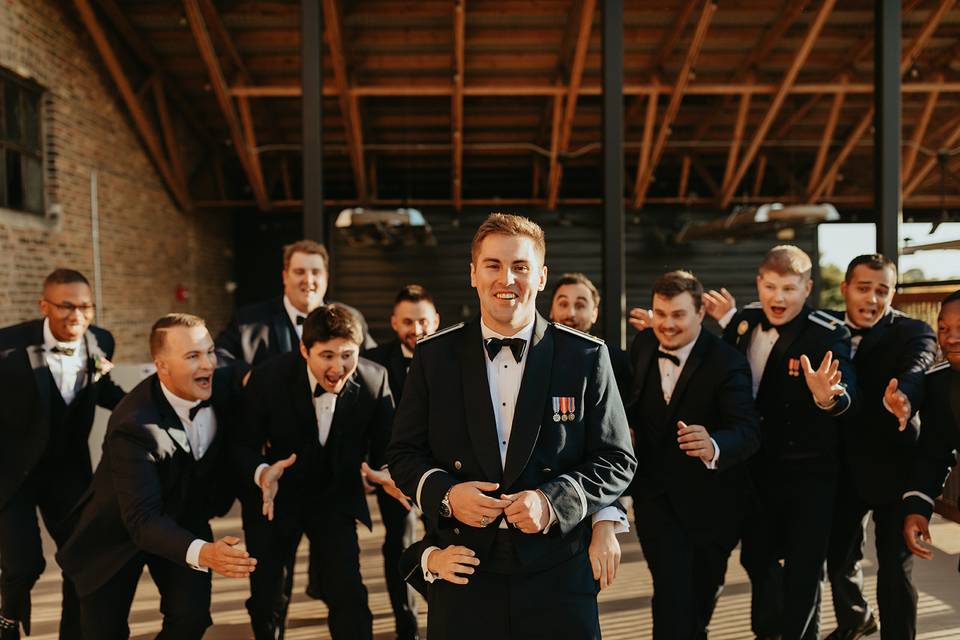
pixel 301 320
pixel 66 351
pixel 194 410
pixel 669 356
pixel 857 332
pixel 516 345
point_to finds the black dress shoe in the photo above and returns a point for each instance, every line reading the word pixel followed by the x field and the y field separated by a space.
pixel 9 630
pixel 863 629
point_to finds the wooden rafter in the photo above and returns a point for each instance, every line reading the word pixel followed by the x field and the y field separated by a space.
pixel 742 113
pixel 759 173
pixel 349 105
pixel 169 137
pixel 140 119
pixel 704 175
pixel 929 164
pixel 919 131
pixel 459 37
pixel 645 177
pixel 684 176
pixel 777 101
pixel 826 139
pixel 570 101
pixel 649 124
pixel 201 36
pixel 556 120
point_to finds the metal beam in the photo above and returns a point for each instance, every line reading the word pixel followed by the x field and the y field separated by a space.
pixel 311 78
pixel 645 177
pixel 456 106
pixel 614 273
pixel 887 71
pixel 777 101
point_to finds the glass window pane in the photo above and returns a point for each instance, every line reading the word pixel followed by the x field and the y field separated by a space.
pixel 14 181
pixel 31 121
pixel 11 103
pixel 32 185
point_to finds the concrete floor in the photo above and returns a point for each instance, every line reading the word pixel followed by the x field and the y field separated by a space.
pixel 625 608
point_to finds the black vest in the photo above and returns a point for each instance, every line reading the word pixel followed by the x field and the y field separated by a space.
pixel 62 418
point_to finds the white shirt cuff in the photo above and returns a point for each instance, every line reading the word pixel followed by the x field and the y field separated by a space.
pixel 193 555
pixel 427 574
pixel 612 514
pixel 257 472
pixel 716 456
pixel 920 495
pixel 726 318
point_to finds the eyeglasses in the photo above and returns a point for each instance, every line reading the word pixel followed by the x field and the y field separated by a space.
pixel 68 309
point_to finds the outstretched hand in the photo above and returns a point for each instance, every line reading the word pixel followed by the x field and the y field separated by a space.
pixel 270 482
pixel 383 478
pixel 897 403
pixel 718 303
pixel 824 381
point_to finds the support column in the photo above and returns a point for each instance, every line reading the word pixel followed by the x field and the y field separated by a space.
pixel 886 149
pixel 311 72
pixel 614 278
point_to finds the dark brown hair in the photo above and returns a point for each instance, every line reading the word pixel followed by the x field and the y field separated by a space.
pixel 874 261
pixel 64 276
pixel 160 327
pixel 413 293
pixel 506 224
pixel 674 283
pixel 308 247
pixel 576 278
pixel 329 322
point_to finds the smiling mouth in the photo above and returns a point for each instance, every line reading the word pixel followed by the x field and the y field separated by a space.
pixel 203 381
pixel 506 295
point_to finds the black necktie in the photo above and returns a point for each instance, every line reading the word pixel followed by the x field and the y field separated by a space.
pixel 669 356
pixel 494 345
pixel 67 351
pixel 196 409
pixel 300 320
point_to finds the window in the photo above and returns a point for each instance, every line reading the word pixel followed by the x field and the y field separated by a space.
pixel 21 152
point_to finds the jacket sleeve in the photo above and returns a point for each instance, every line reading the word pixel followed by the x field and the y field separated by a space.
pixel 608 463
pixel 136 482
pixel 382 422
pixel 252 426
pixel 109 393
pixel 738 437
pixel 934 458
pixel 916 355
pixel 849 401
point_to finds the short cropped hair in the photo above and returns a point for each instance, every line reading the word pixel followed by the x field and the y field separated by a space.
pixel 875 261
pixel 953 297
pixel 509 225
pixel 64 276
pixel 675 283
pixel 576 278
pixel 329 322
pixel 158 333
pixel 413 293
pixel 787 260
pixel 308 247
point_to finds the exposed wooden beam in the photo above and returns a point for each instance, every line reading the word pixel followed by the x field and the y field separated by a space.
pixel 858 132
pixel 201 35
pixel 649 124
pixel 143 124
pixel 826 139
pixel 570 101
pixel 742 112
pixel 285 177
pixel 919 131
pixel 758 175
pixel 459 37
pixel 704 175
pixel 684 176
pixel 556 120
pixel 777 101
pixel 250 141
pixel 169 136
pixel 349 105
pixel 929 164
pixel 644 178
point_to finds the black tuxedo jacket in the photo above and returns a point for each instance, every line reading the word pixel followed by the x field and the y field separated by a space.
pixel 263 330
pixel 390 356
pixel 939 440
pixel 792 427
pixel 622 371
pixel 878 456
pixel 279 410
pixel 713 391
pixel 148 494
pixel 26 390
pixel 445 433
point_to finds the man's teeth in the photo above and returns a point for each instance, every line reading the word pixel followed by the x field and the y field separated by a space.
pixel 506 296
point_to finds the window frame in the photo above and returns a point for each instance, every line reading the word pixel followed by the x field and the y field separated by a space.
pixel 30 87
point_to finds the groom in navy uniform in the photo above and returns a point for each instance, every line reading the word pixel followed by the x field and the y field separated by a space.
pixel 54 372
pixel 510 436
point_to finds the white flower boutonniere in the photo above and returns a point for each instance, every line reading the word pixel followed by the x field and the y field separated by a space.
pixel 101 367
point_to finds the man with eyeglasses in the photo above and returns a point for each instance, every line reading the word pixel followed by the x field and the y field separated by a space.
pixel 54 371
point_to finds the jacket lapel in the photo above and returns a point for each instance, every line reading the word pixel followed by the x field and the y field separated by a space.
pixel 641 355
pixel 282 329
pixel 694 360
pixel 398 368
pixel 37 361
pixel 874 336
pixel 343 410
pixel 302 402
pixel 169 421
pixel 531 400
pixel 481 424
pixel 788 335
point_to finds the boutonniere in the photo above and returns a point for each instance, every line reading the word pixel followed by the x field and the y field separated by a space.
pixel 101 367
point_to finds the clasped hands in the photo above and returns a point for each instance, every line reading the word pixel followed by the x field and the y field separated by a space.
pixel 528 511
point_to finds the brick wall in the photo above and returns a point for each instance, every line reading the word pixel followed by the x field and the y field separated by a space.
pixel 147 246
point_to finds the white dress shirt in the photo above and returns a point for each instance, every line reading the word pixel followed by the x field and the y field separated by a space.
pixel 670 374
pixel 199 435
pixel 293 313
pixel 69 372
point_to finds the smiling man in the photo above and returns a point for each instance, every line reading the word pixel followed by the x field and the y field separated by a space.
pixel 511 435
pixel 311 418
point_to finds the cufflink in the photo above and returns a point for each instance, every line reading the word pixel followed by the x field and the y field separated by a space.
pixel 457 465
pixel 456 530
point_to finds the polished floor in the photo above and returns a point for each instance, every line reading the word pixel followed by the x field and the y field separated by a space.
pixel 625 608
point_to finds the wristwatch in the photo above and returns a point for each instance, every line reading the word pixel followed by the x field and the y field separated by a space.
pixel 445 510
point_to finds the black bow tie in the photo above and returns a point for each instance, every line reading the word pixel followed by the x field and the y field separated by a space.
pixel 494 345
pixel 857 332
pixel 67 351
pixel 196 409
pixel 765 324
pixel 300 320
pixel 319 390
pixel 669 356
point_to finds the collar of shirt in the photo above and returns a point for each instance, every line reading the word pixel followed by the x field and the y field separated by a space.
pixel 180 406
pixel 683 352
pixel 293 312
pixel 327 397
pixel 405 350
pixel 50 341
pixel 525 333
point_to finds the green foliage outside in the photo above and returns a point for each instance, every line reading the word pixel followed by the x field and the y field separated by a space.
pixel 830 278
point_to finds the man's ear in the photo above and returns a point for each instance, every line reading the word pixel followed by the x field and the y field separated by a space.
pixel 473 275
pixel 543 278
pixel 304 352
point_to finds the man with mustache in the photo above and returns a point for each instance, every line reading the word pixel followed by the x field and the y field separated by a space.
pixel 54 372
pixel 511 435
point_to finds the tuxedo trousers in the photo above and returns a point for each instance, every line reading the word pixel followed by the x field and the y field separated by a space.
pixel 896 595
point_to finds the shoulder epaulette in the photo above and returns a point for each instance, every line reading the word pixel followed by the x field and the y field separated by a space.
pixel 577 332
pixel 940 366
pixel 754 305
pixel 824 319
pixel 445 330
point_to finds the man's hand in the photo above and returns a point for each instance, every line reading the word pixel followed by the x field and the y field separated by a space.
pixel 221 557
pixel 604 553
pixel 471 507
pixel 897 403
pixel 916 531
pixel 383 479
pixel 270 482
pixel 449 563
pixel 718 303
pixel 367 487
pixel 824 382
pixel 640 319
pixel 528 511
pixel 695 440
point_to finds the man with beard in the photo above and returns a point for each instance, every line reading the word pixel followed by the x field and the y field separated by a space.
pixel 54 372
